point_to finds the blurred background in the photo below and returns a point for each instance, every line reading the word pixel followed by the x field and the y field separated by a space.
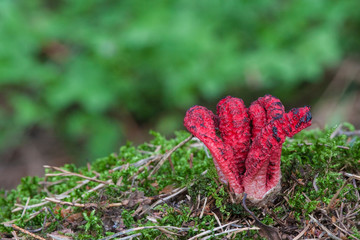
pixel 80 78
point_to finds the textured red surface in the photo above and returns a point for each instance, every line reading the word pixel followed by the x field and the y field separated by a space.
pixel 247 153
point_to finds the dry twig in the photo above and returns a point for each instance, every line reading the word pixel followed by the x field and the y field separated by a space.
pixel 27 232
pixel 302 232
pixel 166 155
pixel 142 228
pixel 67 173
pixel 138 163
pixel 233 231
pixel 329 233
pixel 163 200
pixel 202 211
pixel 130 237
pixel 213 230
pixel 314 183
pixel 218 220
pixel 21 207
pixel 15 235
pixel 333 199
pixel 26 204
pixel 357 177
pixel 82 205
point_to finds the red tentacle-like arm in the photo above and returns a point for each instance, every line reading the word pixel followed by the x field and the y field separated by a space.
pixel 262 112
pixel 234 127
pixel 201 123
pixel 247 153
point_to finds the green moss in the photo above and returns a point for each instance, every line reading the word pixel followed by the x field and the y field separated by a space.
pixel 127 218
pixel 311 158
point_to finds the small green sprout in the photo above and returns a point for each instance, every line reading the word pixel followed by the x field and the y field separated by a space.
pixel 92 222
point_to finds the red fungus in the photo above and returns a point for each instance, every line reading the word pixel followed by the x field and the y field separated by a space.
pixel 201 123
pixel 234 129
pixel 247 153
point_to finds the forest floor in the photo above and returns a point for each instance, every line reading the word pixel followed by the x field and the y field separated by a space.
pixel 168 189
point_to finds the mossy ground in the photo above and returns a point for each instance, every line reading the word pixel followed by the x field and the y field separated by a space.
pixel 124 196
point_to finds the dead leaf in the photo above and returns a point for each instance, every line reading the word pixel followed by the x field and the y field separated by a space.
pixel 65 212
pixel 167 190
pixel 155 184
pixel 76 217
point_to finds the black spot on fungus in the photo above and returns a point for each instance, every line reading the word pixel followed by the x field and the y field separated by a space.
pixel 308 117
pixel 295 110
pixel 194 128
pixel 269 144
pixel 275 134
pixel 305 119
pixel 221 151
pixel 277 116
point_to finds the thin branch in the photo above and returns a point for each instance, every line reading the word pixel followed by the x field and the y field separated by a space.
pixel 82 205
pixel 15 235
pixel 142 228
pixel 357 177
pixel 166 155
pixel 65 194
pixel 138 163
pixel 67 173
pixel 350 134
pixel 338 131
pixel 211 231
pixel 332 201
pixel 163 200
pixel 85 205
pixel 324 228
pixel 26 204
pixel 314 183
pixel 218 220
pixel 27 232
pixel 236 230
pixel 33 215
pixel 130 237
pixel 202 211
pixel 20 207
pixel 302 232
pixel 96 188
pixel 345 232
pixel 168 231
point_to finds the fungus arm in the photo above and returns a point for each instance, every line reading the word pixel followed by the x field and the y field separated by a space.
pixel 260 175
pixel 201 123
pixel 234 127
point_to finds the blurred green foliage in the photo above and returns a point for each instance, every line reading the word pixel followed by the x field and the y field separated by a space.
pixel 83 68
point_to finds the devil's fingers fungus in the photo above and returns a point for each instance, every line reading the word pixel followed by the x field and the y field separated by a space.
pixel 247 153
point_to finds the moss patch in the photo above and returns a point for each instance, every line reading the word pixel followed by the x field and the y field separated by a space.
pixel 151 192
